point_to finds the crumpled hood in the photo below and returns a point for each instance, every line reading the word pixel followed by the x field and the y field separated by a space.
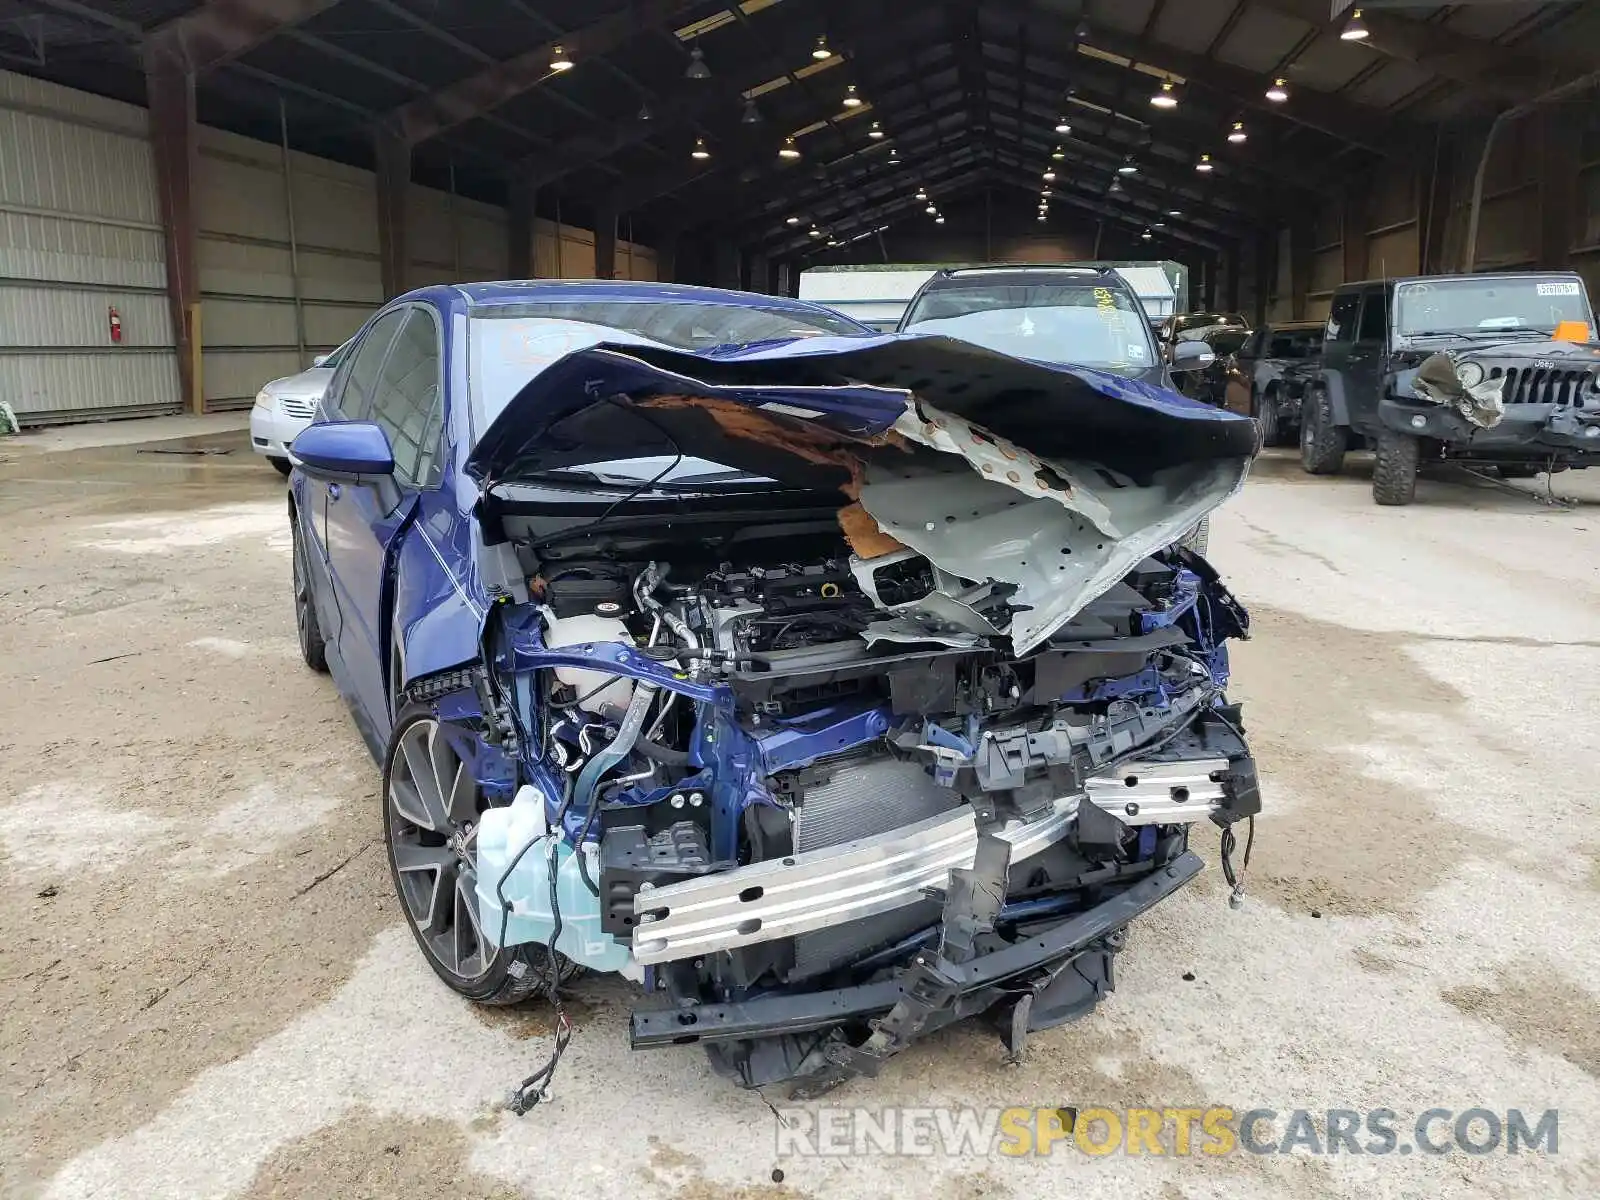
pixel 1049 481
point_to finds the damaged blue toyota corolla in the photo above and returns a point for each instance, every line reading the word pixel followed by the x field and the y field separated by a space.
pixel 833 686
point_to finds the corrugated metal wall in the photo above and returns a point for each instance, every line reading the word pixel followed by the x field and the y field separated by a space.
pixel 288 257
pixel 271 301
pixel 564 251
pixel 80 235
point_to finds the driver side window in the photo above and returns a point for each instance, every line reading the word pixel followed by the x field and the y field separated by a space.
pixel 361 370
pixel 408 403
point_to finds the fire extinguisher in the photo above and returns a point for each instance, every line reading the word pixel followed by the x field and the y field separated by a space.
pixel 116 327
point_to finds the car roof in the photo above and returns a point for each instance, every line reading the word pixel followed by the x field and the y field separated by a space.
pixel 501 293
pixel 1000 271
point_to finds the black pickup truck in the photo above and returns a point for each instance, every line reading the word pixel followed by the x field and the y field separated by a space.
pixel 1499 370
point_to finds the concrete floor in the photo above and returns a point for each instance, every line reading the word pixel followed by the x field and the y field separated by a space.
pixel 206 990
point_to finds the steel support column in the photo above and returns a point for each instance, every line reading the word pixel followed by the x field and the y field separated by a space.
pixel 170 92
pixel 1558 139
pixel 728 264
pixel 605 242
pixel 1353 232
pixel 393 155
pixel 521 203
pixel 667 255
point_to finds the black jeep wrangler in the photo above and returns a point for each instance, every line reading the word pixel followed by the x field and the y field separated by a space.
pixel 1496 369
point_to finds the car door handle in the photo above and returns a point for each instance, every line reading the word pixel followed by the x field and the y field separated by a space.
pixel 333 491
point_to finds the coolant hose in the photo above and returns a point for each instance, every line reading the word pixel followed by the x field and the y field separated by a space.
pixel 665 755
pixel 604 760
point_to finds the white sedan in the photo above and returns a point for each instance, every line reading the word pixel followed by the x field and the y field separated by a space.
pixel 285 406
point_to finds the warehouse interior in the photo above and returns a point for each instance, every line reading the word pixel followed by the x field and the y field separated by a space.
pixel 243 181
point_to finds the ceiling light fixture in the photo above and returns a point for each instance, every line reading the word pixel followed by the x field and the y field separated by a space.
pixel 1166 97
pixel 1116 188
pixel 700 152
pixel 876 131
pixel 792 221
pixel 922 194
pixel 1355 29
pixel 1237 134
pixel 645 114
pixel 1046 194
pixel 1063 126
pixel 1128 167
pixel 559 60
pixel 752 114
pixel 697 68
pixel 1204 164
pixel 1049 176
pixel 1158 224
pixel 1082 31
pixel 814 232
pixel 1146 235
pixel 789 149
pixel 820 51
pixel 851 99
pixel 938 220
pixel 1058 154
pixel 1279 91
pixel 1172 212
pixel 932 210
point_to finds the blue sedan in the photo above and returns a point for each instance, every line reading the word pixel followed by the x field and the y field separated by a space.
pixel 713 640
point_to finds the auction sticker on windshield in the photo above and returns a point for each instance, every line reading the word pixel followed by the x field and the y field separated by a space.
pixel 1561 287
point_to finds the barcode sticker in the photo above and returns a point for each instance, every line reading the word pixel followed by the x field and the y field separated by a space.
pixel 1564 287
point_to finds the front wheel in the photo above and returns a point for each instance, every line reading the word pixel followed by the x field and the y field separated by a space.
pixel 431 806
pixel 1322 442
pixel 1394 471
pixel 313 648
pixel 282 465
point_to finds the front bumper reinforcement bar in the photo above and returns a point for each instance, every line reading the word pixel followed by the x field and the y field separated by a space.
pixel 773 1015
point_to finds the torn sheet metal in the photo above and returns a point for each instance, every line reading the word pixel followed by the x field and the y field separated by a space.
pixel 1438 380
pixel 1058 556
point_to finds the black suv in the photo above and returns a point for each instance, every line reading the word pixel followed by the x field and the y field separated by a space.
pixel 1496 369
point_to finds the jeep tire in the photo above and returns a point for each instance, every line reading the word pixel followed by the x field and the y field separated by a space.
pixel 1322 442
pixel 1394 471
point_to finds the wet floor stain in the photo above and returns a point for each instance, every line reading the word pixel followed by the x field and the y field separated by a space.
pixel 1538 1007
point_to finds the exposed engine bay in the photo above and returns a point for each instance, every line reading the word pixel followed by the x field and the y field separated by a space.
pixel 824 776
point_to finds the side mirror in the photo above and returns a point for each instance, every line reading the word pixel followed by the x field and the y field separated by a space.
pixel 1186 356
pixel 344 451
pixel 321 360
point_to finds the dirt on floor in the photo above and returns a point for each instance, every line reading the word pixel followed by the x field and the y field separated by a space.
pixel 207 991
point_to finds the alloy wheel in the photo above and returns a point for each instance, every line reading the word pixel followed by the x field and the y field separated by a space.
pixel 431 817
pixel 302 596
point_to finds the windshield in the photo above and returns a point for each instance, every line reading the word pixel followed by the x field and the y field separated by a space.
pixel 1488 305
pixel 512 343
pixel 1079 323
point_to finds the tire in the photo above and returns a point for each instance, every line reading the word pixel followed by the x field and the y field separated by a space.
pixel 1394 472
pixel 1267 419
pixel 431 863
pixel 313 647
pixel 1198 539
pixel 1322 443
pixel 282 465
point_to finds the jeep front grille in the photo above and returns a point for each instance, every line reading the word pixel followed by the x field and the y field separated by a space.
pixel 1541 385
